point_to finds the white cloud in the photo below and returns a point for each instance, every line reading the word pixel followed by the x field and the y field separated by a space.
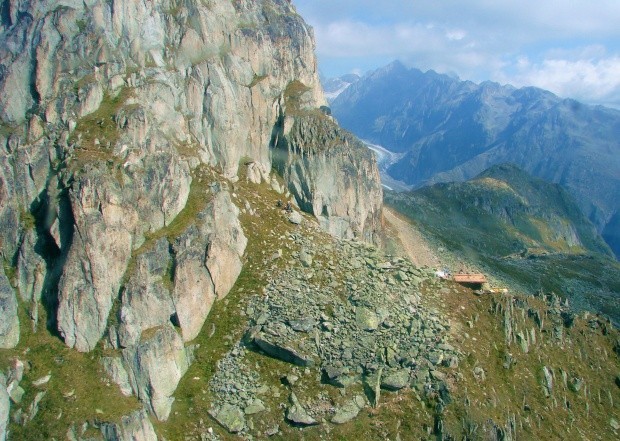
pixel 569 47
pixel 594 80
pixel 456 35
pixel 353 39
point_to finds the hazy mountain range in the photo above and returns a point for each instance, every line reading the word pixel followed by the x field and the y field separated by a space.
pixel 451 130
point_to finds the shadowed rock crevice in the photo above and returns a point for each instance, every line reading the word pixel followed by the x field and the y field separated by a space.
pixel 5 14
pixel 53 223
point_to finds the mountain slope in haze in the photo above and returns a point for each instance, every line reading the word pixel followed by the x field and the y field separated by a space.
pixel 526 231
pixel 335 86
pixel 452 130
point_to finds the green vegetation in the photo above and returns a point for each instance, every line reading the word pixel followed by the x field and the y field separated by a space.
pixel 257 79
pixel 81 24
pixel 524 232
pixel 96 134
pixel 516 389
pixel 293 97
pixel 27 220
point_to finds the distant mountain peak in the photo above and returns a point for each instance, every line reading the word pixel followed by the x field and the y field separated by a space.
pixel 452 130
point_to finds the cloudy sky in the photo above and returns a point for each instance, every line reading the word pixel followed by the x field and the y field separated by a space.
pixel 571 47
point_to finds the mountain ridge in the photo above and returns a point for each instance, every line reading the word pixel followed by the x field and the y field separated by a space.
pixel 528 232
pixel 451 130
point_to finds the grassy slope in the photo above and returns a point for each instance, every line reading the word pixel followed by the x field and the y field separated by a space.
pixel 510 229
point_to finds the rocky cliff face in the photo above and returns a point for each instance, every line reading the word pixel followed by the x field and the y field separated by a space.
pixel 347 203
pixel 122 126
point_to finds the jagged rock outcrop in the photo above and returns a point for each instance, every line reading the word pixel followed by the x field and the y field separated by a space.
pixel 134 427
pixel 122 126
pixel 31 273
pixel 332 175
pixel 173 284
pixel 98 257
pixel 207 262
pixel 155 366
pixel 146 301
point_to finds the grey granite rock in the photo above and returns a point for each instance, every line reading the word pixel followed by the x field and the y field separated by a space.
pixel 296 413
pixel 114 368
pixel 395 380
pixel 348 411
pixel 366 319
pixel 9 322
pixel 230 417
pixel 134 427
pixel 283 353
pixel 155 367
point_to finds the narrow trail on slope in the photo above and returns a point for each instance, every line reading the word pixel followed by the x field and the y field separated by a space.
pixel 413 244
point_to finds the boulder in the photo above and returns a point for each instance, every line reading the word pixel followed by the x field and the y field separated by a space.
pixel 16 370
pixel 282 352
pixel 297 415
pixel 33 409
pixel 113 366
pixel 16 392
pixel 366 319
pixel 575 384
pixel 547 381
pixel 257 173
pixel 349 410
pixel 295 217
pixel 479 374
pixel 373 384
pixel 395 380
pixel 256 406
pixel 305 258
pixel 230 417
pixel 42 381
pixel 303 325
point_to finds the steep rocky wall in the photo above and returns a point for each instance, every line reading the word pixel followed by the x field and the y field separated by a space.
pixel 332 175
pixel 107 110
pixel 114 118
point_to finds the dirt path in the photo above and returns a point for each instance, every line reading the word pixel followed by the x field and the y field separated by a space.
pixel 410 240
